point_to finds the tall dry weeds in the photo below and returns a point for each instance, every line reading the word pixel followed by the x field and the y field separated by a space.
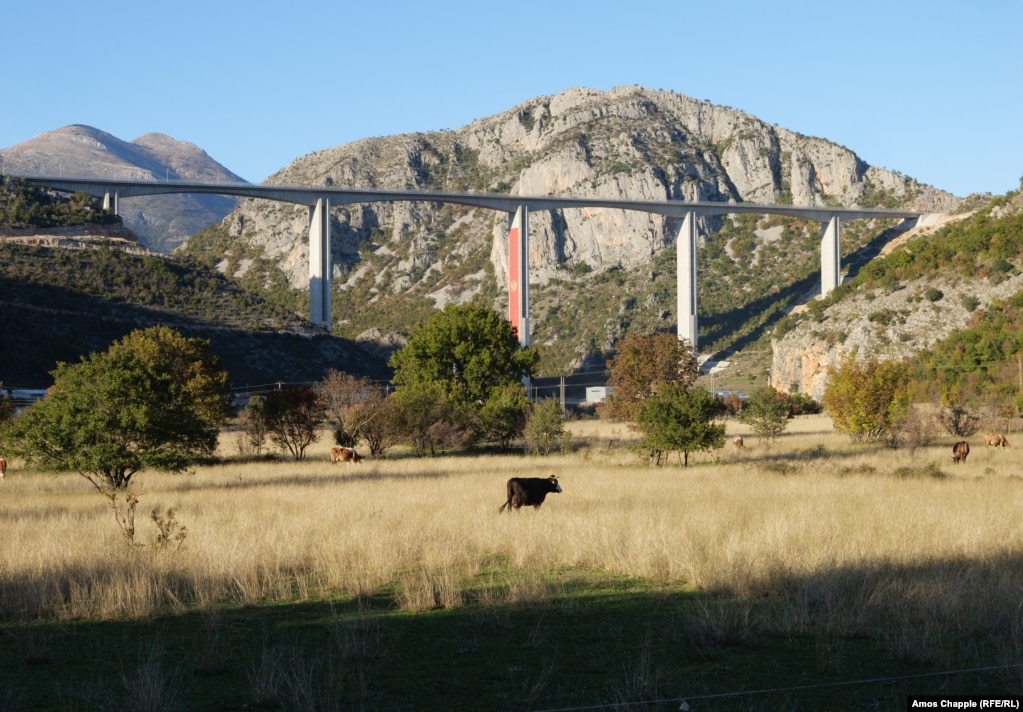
pixel 852 538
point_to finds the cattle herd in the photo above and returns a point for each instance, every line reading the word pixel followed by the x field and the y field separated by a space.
pixel 532 491
pixel 961 449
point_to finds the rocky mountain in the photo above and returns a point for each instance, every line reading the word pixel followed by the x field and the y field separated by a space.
pixel 161 222
pixel 596 272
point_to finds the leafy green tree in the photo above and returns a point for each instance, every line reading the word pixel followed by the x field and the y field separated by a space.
pixel 503 416
pixel 471 353
pixel 675 419
pixel 802 404
pixel 641 364
pixel 293 416
pixel 545 427
pixel 767 411
pixel 154 399
pixel 868 399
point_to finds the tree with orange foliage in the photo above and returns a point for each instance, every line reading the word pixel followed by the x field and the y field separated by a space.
pixel 641 364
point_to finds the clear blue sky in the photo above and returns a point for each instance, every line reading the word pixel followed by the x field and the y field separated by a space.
pixel 930 88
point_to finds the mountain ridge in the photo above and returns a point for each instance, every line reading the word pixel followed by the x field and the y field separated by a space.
pixel 595 274
pixel 627 143
pixel 161 222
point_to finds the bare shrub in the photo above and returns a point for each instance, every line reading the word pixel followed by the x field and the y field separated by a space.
pixel 444 435
pixel 255 431
pixel 348 402
pixel 124 514
pixel 958 421
pixel 916 429
pixel 169 531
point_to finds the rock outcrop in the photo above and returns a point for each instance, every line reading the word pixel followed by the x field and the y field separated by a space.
pixel 878 324
pixel 79 236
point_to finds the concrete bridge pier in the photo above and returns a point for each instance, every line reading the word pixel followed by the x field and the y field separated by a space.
pixel 831 256
pixel 320 267
pixel 685 274
pixel 518 274
pixel 107 200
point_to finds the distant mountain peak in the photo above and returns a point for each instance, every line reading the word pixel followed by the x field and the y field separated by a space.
pixel 161 222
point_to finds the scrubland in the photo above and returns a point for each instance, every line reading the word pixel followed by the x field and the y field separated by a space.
pixel 809 537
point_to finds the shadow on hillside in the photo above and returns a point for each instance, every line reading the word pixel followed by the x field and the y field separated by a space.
pixel 782 301
pixel 862 636
pixel 44 325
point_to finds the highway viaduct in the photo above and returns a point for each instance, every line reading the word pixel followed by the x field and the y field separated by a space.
pixel 319 200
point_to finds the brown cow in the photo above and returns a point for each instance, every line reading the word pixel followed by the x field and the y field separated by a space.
pixel 959 451
pixel 344 454
pixel 529 491
pixel 3 468
pixel 737 441
pixel 995 439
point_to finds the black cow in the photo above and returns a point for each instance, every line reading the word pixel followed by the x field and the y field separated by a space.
pixel 529 491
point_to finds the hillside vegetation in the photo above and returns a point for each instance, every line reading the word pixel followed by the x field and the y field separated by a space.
pixel 22 205
pixel 950 301
pixel 595 274
pixel 747 283
pixel 58 304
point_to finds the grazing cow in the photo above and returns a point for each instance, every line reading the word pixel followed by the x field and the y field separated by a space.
pixel 995 439
pixel 959 451
pixel 529 491
pixel 737 441
pixel 344 454
pixel 3 468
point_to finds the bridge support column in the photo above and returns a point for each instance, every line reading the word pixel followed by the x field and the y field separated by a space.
pixel 831 256
pixel 320 267
pixel 106 202
pixel 685 274
pixel 518 274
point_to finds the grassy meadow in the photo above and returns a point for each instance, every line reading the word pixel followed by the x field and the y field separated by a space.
pixel 808 573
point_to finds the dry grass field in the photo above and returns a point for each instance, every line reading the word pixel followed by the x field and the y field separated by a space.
pixel 809 536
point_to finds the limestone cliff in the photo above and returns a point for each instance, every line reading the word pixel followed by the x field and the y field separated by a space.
pixel 629 142
pixel 626 143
